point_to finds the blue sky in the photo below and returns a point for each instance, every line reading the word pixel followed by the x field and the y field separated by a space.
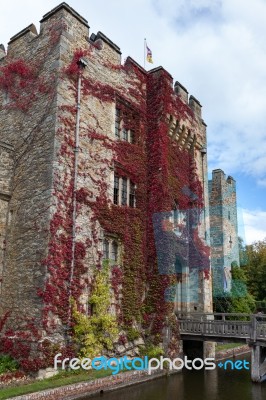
pixel 216 49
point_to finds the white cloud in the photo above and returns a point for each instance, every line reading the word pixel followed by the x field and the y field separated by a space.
pixel 254 225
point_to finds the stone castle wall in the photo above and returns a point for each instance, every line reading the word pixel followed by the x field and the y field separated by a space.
pixel 41 129
pixel 28 124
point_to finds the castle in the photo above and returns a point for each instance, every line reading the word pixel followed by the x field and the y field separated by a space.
pixel 101 163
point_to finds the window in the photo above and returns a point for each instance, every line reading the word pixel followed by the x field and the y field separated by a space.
pixel 132 137
pixel 125 134
pixel 124 192
pixel 132 199
pixel 121 131
pixel 111 250
pixel 117 123
pixel 114 252
pixel 229 215
pixel 105 249
pixel 116 189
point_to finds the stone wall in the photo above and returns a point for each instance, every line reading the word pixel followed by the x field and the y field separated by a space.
pixel 6 169
pixel 42 127
pixel 27 122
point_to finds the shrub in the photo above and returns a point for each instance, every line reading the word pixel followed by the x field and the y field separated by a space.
pixel 151 351
pixel 132 334
pixel 96 333
pixel 7 364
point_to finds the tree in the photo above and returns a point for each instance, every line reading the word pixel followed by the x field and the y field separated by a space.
pixel 256 269
pixel 238 300
pixel 243 259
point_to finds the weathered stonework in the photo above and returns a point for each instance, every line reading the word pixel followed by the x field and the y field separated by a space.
pixel 39 182
pixel 223 228
pixel 6 170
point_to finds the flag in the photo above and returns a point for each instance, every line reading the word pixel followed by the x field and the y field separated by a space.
pixel 149 55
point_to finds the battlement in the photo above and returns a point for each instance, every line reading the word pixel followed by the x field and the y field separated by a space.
pixel 105 39
pixel 219 178
pixel 181 91
pixel 31 30
pixel 193 103
pixel 70 10
pixel 74 27
pixel 61 17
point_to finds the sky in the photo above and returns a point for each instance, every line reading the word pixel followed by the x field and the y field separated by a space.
pixel 217 50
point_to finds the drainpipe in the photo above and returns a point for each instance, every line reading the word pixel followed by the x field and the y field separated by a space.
pixel 203 152
pixel 81 64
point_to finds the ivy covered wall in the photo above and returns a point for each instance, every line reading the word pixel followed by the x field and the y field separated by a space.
pixel 53 296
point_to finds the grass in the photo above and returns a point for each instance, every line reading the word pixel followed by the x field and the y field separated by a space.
pixel 227 346
pixel 62 379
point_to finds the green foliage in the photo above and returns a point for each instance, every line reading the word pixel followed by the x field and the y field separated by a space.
pixel 243 257
pixel 132 333
pixel 61 379
pixel 151 351
pixel 256 269
pixel 96 333
pixel 7 364
pixel 238 300
pixel 227 346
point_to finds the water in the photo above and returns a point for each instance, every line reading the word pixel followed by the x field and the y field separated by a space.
pixel 194 385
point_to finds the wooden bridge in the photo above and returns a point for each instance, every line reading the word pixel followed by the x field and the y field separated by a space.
pixel 219 327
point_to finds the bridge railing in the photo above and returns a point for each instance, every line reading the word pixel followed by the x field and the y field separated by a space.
pixel 234 325
pixel 214 316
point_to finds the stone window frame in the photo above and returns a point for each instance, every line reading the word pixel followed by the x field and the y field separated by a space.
pixel 124 191
pixel 116 189
pixel 126 135
pixel 112 249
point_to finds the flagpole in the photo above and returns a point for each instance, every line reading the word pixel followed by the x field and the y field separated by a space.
pixel 145 53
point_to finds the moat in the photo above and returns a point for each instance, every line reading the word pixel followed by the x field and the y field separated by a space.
pixel 195 385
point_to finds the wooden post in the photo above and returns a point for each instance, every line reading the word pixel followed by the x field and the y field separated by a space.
pixel 253 332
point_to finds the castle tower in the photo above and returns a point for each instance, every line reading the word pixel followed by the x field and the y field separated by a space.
pixel 223 229
pixel 94 150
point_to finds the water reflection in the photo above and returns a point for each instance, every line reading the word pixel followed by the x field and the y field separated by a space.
pixel 194 385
